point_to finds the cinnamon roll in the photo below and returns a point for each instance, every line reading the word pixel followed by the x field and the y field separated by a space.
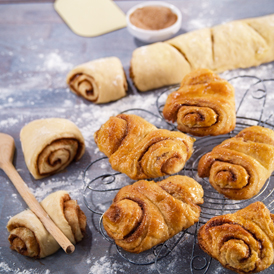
pixel 140 150
pixel 203 105
pixel 147 213
pixel 239 166
pixel 242 241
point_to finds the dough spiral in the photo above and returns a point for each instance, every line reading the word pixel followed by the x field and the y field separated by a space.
pixel 99 81
pixel 242 241
pixel 140 150
pixel 147 213
pixel 203 105
pixel 50 145
pixel 239 166
pixel 29 237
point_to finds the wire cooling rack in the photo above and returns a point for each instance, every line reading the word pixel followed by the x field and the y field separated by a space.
pixel 99 191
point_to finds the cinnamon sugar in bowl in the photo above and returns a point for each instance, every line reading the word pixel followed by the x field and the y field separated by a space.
pixel 153 21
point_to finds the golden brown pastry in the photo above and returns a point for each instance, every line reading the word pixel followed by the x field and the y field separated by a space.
pixel 146 213
pixel 50 145
pixel 239 166
pixel 237 44
pixel 99 81
pixel 157 65
pixel 29 237
pixel 140 150
pixel 242 241
pixel 203 105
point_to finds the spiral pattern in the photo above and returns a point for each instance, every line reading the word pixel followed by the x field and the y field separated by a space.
pixel 239 167
pixel 85 86
pixel 147 213
pixel 50 145
pixel 140 150
pixel 242 241
pixel 57 156
pixel 203 105
pixel 99 81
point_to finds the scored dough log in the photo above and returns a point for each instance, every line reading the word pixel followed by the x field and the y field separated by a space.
pixel 50 145
pixel 237 44
pixel 99 81
pixel 29 237
pixel 157 65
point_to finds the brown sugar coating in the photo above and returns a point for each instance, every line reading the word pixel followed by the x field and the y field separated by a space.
pixel 153 18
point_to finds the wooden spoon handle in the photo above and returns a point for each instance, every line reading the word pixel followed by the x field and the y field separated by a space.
pixel 36 208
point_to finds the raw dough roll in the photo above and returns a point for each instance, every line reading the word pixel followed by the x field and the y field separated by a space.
pixel 157 65
pixel 242 241
pixel 203 105
pixel 239 166
pixel 140 150
pixel 237 44
pixel 29 237
pixel 147 213
pixel 99 81
pixel 50 145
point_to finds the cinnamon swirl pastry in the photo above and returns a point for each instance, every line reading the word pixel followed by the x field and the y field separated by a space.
pixel 147 213
pixel 99 81
pixel 29 237
pixel 203 105
pixel 50 145
pixel 242 241
pixel 239 166
pixel 140 150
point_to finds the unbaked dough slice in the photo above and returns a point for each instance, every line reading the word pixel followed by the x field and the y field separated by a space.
pixel 50 145
pixel 196 47
pixel 264 26
pixel 99 81
pixel 157 65
pixel 237 45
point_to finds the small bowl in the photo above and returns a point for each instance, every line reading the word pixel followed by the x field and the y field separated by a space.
pixel 152 36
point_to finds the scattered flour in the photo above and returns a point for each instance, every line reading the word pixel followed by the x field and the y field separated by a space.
pixel 105 266
pixel 54 62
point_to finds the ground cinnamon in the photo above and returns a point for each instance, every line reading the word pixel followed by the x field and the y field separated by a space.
pixel 153 18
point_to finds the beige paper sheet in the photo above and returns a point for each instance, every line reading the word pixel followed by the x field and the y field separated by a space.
pixel 91 17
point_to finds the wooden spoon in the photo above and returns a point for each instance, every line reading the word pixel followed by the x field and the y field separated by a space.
pixel 7 148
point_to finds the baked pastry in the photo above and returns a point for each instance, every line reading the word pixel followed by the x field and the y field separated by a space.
pixel 50 145
pixel 237 44
pixel 140 150
pixel 157 65
pixel 146 213
pixel 29 237
pixel 203 105
pixel 242 241
pixel 239 166
pixel 99 81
